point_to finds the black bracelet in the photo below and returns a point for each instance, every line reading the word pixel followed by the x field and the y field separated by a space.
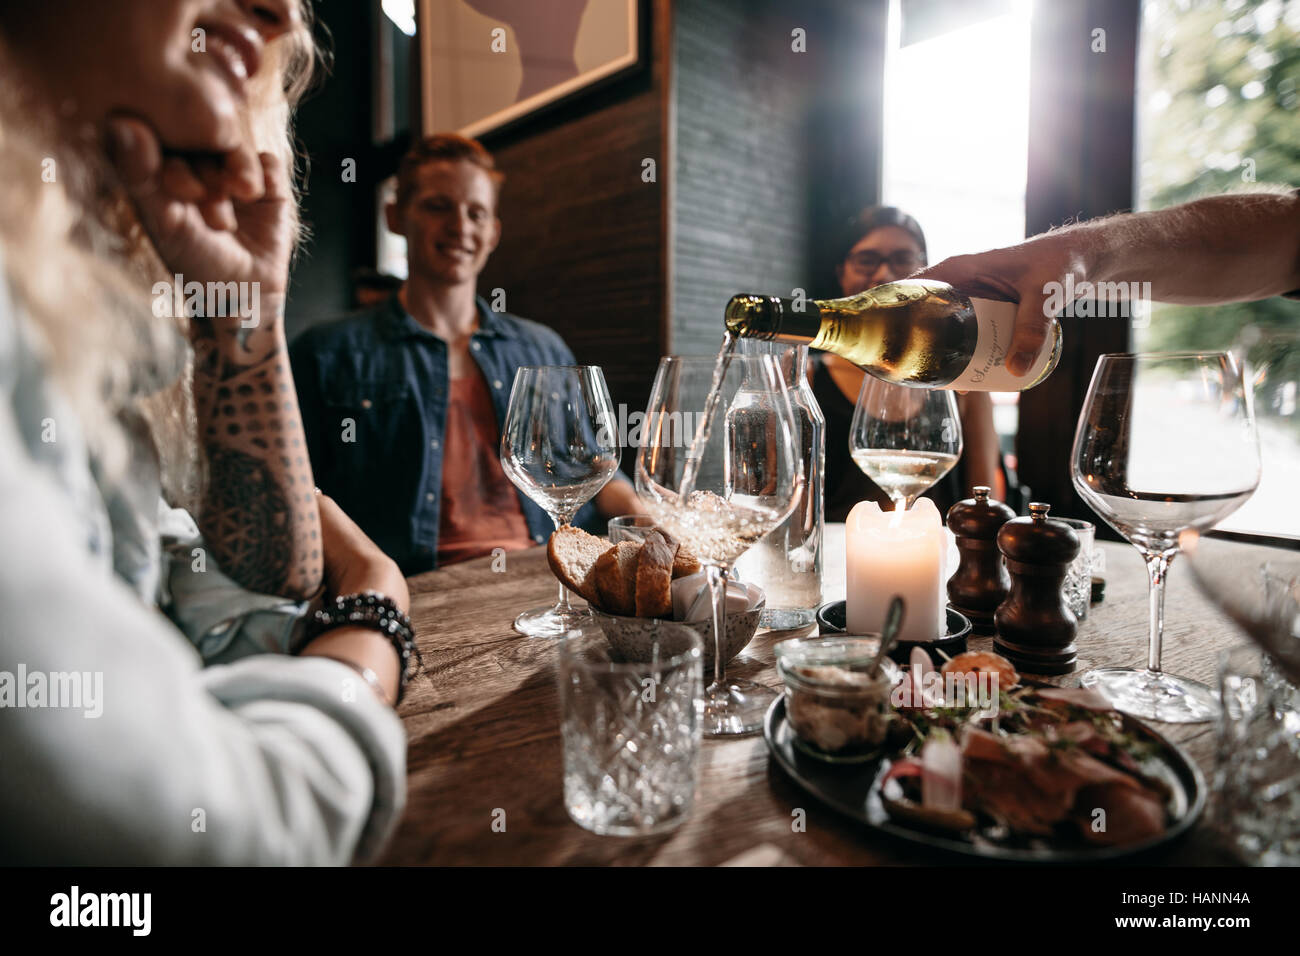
pixel 375 611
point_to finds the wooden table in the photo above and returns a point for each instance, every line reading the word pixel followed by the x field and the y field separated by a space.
pixel 484 758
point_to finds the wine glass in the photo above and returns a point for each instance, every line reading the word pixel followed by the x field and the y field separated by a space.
pixel 718 469
pixel 904 439
pixel 559 445
pixel 1165 444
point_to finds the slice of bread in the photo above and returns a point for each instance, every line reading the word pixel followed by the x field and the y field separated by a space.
pixel 654 576
pixel 615 576
pixel 685 563
pixel 572 555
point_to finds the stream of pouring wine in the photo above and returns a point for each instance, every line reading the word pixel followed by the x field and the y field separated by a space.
pixel 710 407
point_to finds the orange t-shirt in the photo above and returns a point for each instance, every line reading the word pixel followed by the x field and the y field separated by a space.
pixel 480 508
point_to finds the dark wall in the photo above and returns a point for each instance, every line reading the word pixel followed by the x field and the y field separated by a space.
pixel 847 128
pixel 740 212
pixel 774 145
pixel 335 124
pixel 582 246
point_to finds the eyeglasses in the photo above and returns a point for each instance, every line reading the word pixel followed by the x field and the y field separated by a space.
pixel 904 261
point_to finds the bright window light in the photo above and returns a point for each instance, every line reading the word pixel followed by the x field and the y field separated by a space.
pixel 402 13
pixel 956 144
pixel 957 131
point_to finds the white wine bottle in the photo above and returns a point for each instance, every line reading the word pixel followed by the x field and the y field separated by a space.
pixel 915 332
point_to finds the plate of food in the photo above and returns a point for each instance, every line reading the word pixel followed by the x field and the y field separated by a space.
pixel 1027 773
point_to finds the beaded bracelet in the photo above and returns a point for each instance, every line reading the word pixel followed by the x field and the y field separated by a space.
pixel 375 611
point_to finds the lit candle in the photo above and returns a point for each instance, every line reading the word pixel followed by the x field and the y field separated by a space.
pixel 895 552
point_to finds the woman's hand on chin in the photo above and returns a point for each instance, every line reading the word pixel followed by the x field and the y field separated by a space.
pixel 212 217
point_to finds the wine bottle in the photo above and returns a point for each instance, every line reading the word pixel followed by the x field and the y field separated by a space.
pixel 917 332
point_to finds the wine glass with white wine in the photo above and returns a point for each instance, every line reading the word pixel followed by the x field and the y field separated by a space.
pixel 904 439
pixel 559 446
pixel 718 469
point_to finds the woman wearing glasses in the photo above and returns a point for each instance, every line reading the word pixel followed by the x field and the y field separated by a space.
pixel 882 244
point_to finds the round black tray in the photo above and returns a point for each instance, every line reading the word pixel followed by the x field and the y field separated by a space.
pixel 854 790
pixel 830 620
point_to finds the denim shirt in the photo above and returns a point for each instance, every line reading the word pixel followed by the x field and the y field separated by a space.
pixel 373 388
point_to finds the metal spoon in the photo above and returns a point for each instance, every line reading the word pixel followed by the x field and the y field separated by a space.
pixel 889 636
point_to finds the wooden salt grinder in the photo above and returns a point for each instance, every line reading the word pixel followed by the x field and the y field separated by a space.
pixel 1035 628
pixel 981 582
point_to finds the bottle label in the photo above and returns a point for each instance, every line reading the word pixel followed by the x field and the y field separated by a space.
pixel 987 371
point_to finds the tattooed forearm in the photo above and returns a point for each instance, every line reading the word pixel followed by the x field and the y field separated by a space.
pixel 259 512
pixel 245 514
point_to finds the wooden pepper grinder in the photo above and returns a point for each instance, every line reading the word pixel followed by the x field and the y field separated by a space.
pixel 981 582
pixel 1035 626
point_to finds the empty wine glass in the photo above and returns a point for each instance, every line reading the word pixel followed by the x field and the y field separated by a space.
pixel 559 446
pixel 904 439
pixel 1165 444
pixel 718 469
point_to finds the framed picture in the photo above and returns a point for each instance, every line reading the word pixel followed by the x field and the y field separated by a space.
pixel 487 63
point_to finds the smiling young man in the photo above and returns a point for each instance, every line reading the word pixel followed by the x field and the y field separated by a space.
pixel 403 403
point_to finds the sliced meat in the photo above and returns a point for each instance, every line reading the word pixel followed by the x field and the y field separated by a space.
pixel 1131 815
pixel 1084 697
pixel 1006 794
pixel 1084 735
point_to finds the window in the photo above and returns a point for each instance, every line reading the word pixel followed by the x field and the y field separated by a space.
pixel 964 182
pixel 1218 92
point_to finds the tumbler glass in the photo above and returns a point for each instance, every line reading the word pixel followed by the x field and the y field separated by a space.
pixel 631 731
pixel 1078 580
pixel 1257 768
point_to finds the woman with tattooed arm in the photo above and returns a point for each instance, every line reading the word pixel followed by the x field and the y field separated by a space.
pixel 146 142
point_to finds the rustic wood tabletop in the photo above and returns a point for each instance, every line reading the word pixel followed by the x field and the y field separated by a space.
pixel 484 759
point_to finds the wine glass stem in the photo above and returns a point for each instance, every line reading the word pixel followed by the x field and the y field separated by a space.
pixel 1157 571
pixel 563 604
pixel 717 578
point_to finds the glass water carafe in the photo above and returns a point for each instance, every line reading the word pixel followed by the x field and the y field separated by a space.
pixel 787 563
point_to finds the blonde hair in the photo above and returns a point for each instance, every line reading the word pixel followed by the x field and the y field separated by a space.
pixel 80 265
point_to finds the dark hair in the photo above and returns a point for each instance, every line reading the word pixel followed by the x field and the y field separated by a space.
pixel 450 147
pixel 369 278
pixel 868 221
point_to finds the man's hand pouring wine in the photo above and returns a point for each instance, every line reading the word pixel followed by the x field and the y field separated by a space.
pixel 1230 248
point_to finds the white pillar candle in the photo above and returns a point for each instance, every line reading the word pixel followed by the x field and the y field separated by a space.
pixel 895 552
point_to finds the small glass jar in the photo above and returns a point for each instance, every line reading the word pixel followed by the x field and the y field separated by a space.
pixel 838 711
pixel 630 528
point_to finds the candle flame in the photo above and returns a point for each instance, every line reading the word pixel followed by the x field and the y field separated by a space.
pixel 896 516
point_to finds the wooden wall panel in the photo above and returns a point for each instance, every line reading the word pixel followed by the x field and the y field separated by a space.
pixel 583 236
